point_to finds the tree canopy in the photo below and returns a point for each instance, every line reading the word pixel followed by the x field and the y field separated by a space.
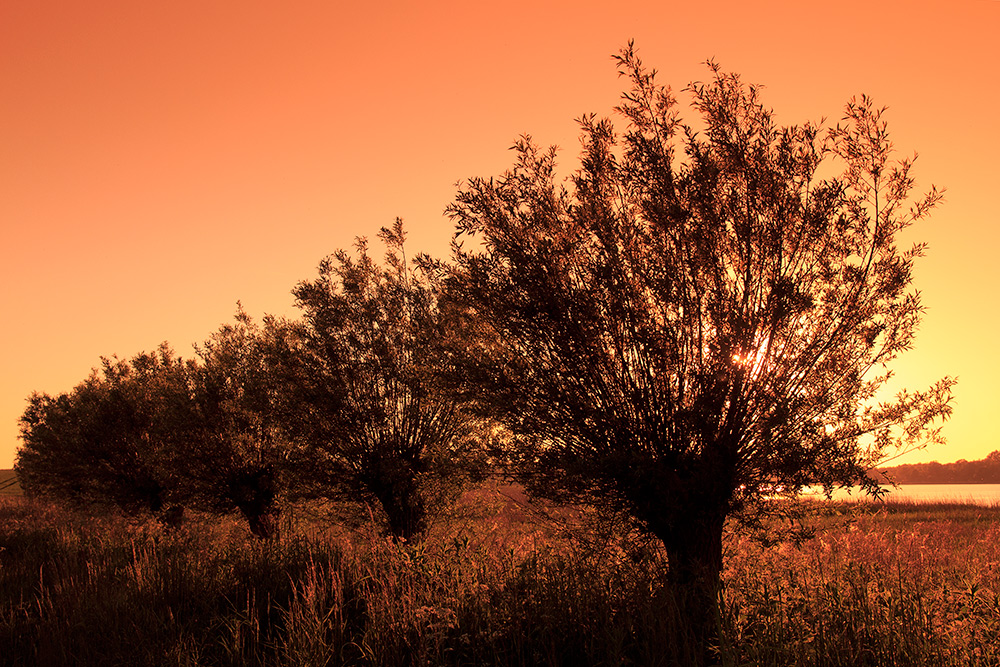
pixel 103 441
pixel 374 424
pixel 228 449
pixel 701 313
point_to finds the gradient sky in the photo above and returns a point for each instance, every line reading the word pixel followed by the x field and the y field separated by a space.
pixel 161 160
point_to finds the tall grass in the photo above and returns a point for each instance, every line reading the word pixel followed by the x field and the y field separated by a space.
pixel 903 584
pixel 875 587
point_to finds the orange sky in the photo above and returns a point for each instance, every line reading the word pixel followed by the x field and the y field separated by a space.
pixel 161 160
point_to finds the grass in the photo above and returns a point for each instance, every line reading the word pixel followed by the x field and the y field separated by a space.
pixel 9 485
pixel 878 585
pixel 896 584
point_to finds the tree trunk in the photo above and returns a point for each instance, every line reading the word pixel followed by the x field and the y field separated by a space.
pixel 263 522
pixel 253 492
pixel 693 544
pixel 406 514
pixel 398 492
pixel 172 516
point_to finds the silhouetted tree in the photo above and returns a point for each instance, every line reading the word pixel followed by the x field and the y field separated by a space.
pixel 374 425
pixel 696 317
pixel 228 446
pixel 103 441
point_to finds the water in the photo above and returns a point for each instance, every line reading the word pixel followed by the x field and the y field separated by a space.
pixel 969 494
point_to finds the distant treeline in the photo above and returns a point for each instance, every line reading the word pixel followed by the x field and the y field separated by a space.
pixel 986 471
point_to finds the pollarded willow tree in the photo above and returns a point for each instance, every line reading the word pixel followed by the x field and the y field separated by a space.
pixel 104 442
pixel 374 423
pixel 696 317
pixel 228 447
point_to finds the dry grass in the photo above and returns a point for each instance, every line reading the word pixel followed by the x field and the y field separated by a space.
pixel 893 586
pixel 902 584
pixel 9 484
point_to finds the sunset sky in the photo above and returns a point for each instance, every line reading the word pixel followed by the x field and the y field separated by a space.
pixel 161 160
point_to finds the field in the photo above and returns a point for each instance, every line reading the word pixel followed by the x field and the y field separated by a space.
pixel 9 485
pixel 877 585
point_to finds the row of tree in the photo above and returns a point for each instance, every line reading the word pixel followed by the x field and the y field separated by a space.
pixel 693 318
pixel 345 404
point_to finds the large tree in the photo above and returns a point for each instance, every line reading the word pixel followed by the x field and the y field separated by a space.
pixel 104 441
pixel 374 424
pixel 703 312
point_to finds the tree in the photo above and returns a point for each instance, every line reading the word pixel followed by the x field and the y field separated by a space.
pixel 696 317
pixel 228 448
pixel 103 441
pixel 374 424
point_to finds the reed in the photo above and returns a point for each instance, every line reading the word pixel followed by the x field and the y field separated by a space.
pixel 878 585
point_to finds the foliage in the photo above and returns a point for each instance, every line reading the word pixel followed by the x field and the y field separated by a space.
pixel 228 450
pixel 373 425
pixel 697 317
pixel 138 434
pixel 103 442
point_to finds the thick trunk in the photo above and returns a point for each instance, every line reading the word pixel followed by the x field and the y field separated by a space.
pixel 685 503
pixel 172 516
pixel 254 494
pixel 151 494
pixel 694 551
pixel 398 492
pixel 407 515
pixel 263 521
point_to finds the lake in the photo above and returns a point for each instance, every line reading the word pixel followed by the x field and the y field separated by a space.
pixel 969 494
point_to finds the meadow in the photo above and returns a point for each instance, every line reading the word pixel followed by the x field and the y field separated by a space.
pixel 878 584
